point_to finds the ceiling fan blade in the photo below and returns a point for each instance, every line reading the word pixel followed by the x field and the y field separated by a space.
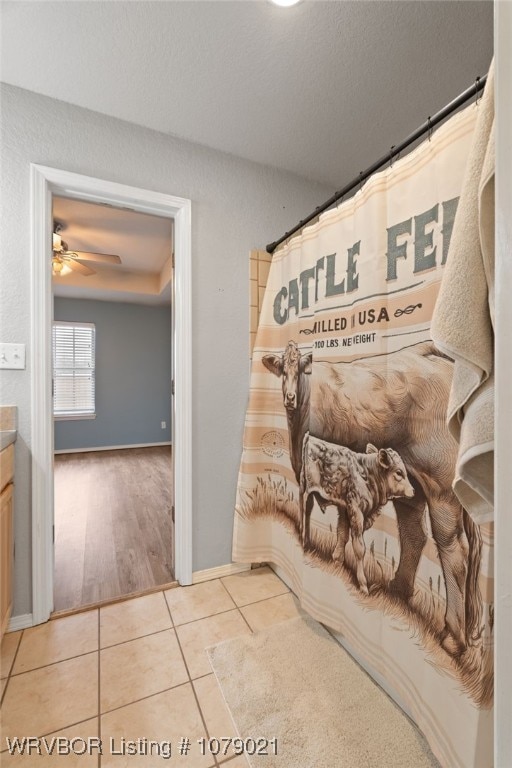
pixel 75 265
pixel 104 258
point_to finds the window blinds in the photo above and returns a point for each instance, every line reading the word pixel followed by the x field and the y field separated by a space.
pixel 73 369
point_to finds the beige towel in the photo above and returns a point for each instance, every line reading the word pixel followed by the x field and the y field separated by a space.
pixel 463 321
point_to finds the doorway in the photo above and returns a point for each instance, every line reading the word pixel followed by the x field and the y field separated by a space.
pixel 112 352
pixel 45 184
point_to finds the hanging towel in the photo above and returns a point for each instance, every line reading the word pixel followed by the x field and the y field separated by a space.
pixel 463 320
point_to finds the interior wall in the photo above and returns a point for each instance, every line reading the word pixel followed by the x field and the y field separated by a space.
pixel 133 375
pixel 236 206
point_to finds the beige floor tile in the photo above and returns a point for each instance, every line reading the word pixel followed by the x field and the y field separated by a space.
pixel 140 668
pixel 166 717
pixel 215 712
pixel 272 611
pixel 57 640
pixel 238 762
pixel 8 651
pixel 198 601
pixel 133 618
pixel 78 737
pixel 51 698
pixel 3 683
pixel 196 637
pixel 250 586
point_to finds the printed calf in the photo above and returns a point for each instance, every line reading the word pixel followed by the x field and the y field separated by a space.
pixel 357 484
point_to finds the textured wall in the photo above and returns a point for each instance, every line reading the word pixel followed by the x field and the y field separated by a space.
pixel 133 374
pixel 236 206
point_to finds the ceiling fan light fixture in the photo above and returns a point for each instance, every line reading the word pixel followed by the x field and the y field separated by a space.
pixel 59 269
pixel 64 261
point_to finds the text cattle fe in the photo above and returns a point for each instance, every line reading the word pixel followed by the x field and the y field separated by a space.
pixel 416 235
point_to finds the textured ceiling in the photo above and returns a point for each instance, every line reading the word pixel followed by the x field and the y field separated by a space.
pixel 321 89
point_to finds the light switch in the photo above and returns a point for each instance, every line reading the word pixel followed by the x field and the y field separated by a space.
pixel 12 356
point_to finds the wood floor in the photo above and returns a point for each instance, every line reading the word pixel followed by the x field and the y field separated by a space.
pixel 113 528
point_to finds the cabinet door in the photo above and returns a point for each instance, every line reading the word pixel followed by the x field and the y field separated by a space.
pixel 6 547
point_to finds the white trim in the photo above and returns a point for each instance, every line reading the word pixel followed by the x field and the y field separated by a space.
pixel 182 399
pixel 67 323
pixel 74 416
pixel 111 447
pixel 219 572
pixel 44 182
pixel 41 396
pixel 24 621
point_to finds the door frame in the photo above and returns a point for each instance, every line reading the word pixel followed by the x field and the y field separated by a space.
pixel 44 183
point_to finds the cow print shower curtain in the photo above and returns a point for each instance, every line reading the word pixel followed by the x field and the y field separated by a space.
pixel 347 467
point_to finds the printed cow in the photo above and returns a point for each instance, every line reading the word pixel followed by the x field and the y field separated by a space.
pixel 294 370
pixel 398 400
pixel 357 484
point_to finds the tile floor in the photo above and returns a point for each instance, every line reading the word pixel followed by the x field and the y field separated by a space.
pixel 134 670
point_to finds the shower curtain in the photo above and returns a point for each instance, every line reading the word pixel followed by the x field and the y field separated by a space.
pixel 346 475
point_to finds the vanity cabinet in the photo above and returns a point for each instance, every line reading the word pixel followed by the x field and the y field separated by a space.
pixel 6 535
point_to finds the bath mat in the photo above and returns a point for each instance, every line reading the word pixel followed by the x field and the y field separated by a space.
pixel 293 683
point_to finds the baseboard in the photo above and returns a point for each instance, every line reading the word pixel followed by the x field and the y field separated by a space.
pixel 221 570
pixel 111 447
pixel 20 622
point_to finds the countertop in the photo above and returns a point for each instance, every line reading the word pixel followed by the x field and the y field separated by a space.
pixel 7 436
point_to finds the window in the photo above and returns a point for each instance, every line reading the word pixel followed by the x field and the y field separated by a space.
pixel 73 370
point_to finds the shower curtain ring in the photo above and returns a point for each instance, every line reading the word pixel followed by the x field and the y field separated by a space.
pixel 477 91
pixel 430 129
pixel 391 160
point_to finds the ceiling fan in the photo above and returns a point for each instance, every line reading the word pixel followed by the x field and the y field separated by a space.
pixel 65 261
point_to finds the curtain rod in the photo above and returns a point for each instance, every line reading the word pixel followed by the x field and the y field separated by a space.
pixel 427 126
